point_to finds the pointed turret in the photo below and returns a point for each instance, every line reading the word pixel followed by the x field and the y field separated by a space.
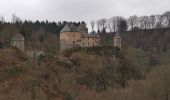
pixel 69 27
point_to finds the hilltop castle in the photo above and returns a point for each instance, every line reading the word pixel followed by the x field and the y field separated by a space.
pixel 72 36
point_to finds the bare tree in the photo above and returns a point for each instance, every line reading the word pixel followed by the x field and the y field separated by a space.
pixel 92 25
pixel 152 21
pixel 132 21
pixel 109 25
pixel 15 18
pixel 101 23
pixel 98 25
pixel 166 15
pixel 144 22
pixel 159 21
pixel 119 19
pixel 2 19
pixel 115 21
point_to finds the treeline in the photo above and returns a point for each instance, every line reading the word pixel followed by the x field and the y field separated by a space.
pixel 111 24
pixel 28 27
pixel 133 22
pixel 38 34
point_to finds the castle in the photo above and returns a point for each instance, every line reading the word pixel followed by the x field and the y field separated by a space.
pixel 72 36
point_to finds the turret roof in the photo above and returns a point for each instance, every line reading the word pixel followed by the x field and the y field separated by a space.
pixel 82 26
pixel 69 27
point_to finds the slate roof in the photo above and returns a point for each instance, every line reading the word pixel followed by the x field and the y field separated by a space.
pixel 69 27
pixel 82 27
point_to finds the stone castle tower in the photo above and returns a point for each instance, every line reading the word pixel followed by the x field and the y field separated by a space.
pixel 72 36
pixel 69 36
pixel 117 40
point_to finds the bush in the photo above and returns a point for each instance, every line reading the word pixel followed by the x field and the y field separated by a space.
pixel 14 71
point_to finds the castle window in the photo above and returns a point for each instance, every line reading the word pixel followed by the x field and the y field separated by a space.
pixel 73 42
pixel 73 35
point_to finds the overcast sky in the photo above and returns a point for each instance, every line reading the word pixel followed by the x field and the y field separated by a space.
pixel 78 10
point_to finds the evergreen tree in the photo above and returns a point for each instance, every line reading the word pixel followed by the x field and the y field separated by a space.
pixel 122 26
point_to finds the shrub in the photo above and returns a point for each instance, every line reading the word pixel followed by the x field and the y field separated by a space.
pixel 14 71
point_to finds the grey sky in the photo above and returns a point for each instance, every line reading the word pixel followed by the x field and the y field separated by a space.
pixel 78 10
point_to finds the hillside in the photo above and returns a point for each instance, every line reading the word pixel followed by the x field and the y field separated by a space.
pixel 65 76
pixel 83 74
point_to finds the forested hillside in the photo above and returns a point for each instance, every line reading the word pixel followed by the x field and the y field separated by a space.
pixel 84 74
pixel 91 69
pixel 43 34
pixel 159 39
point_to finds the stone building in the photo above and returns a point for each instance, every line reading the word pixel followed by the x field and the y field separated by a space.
pixel 69 37
pixel 72 36
pixel 89 40
pixel 18 41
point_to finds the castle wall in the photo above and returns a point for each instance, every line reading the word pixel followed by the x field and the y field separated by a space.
pixel 69 40
pixel 89 41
